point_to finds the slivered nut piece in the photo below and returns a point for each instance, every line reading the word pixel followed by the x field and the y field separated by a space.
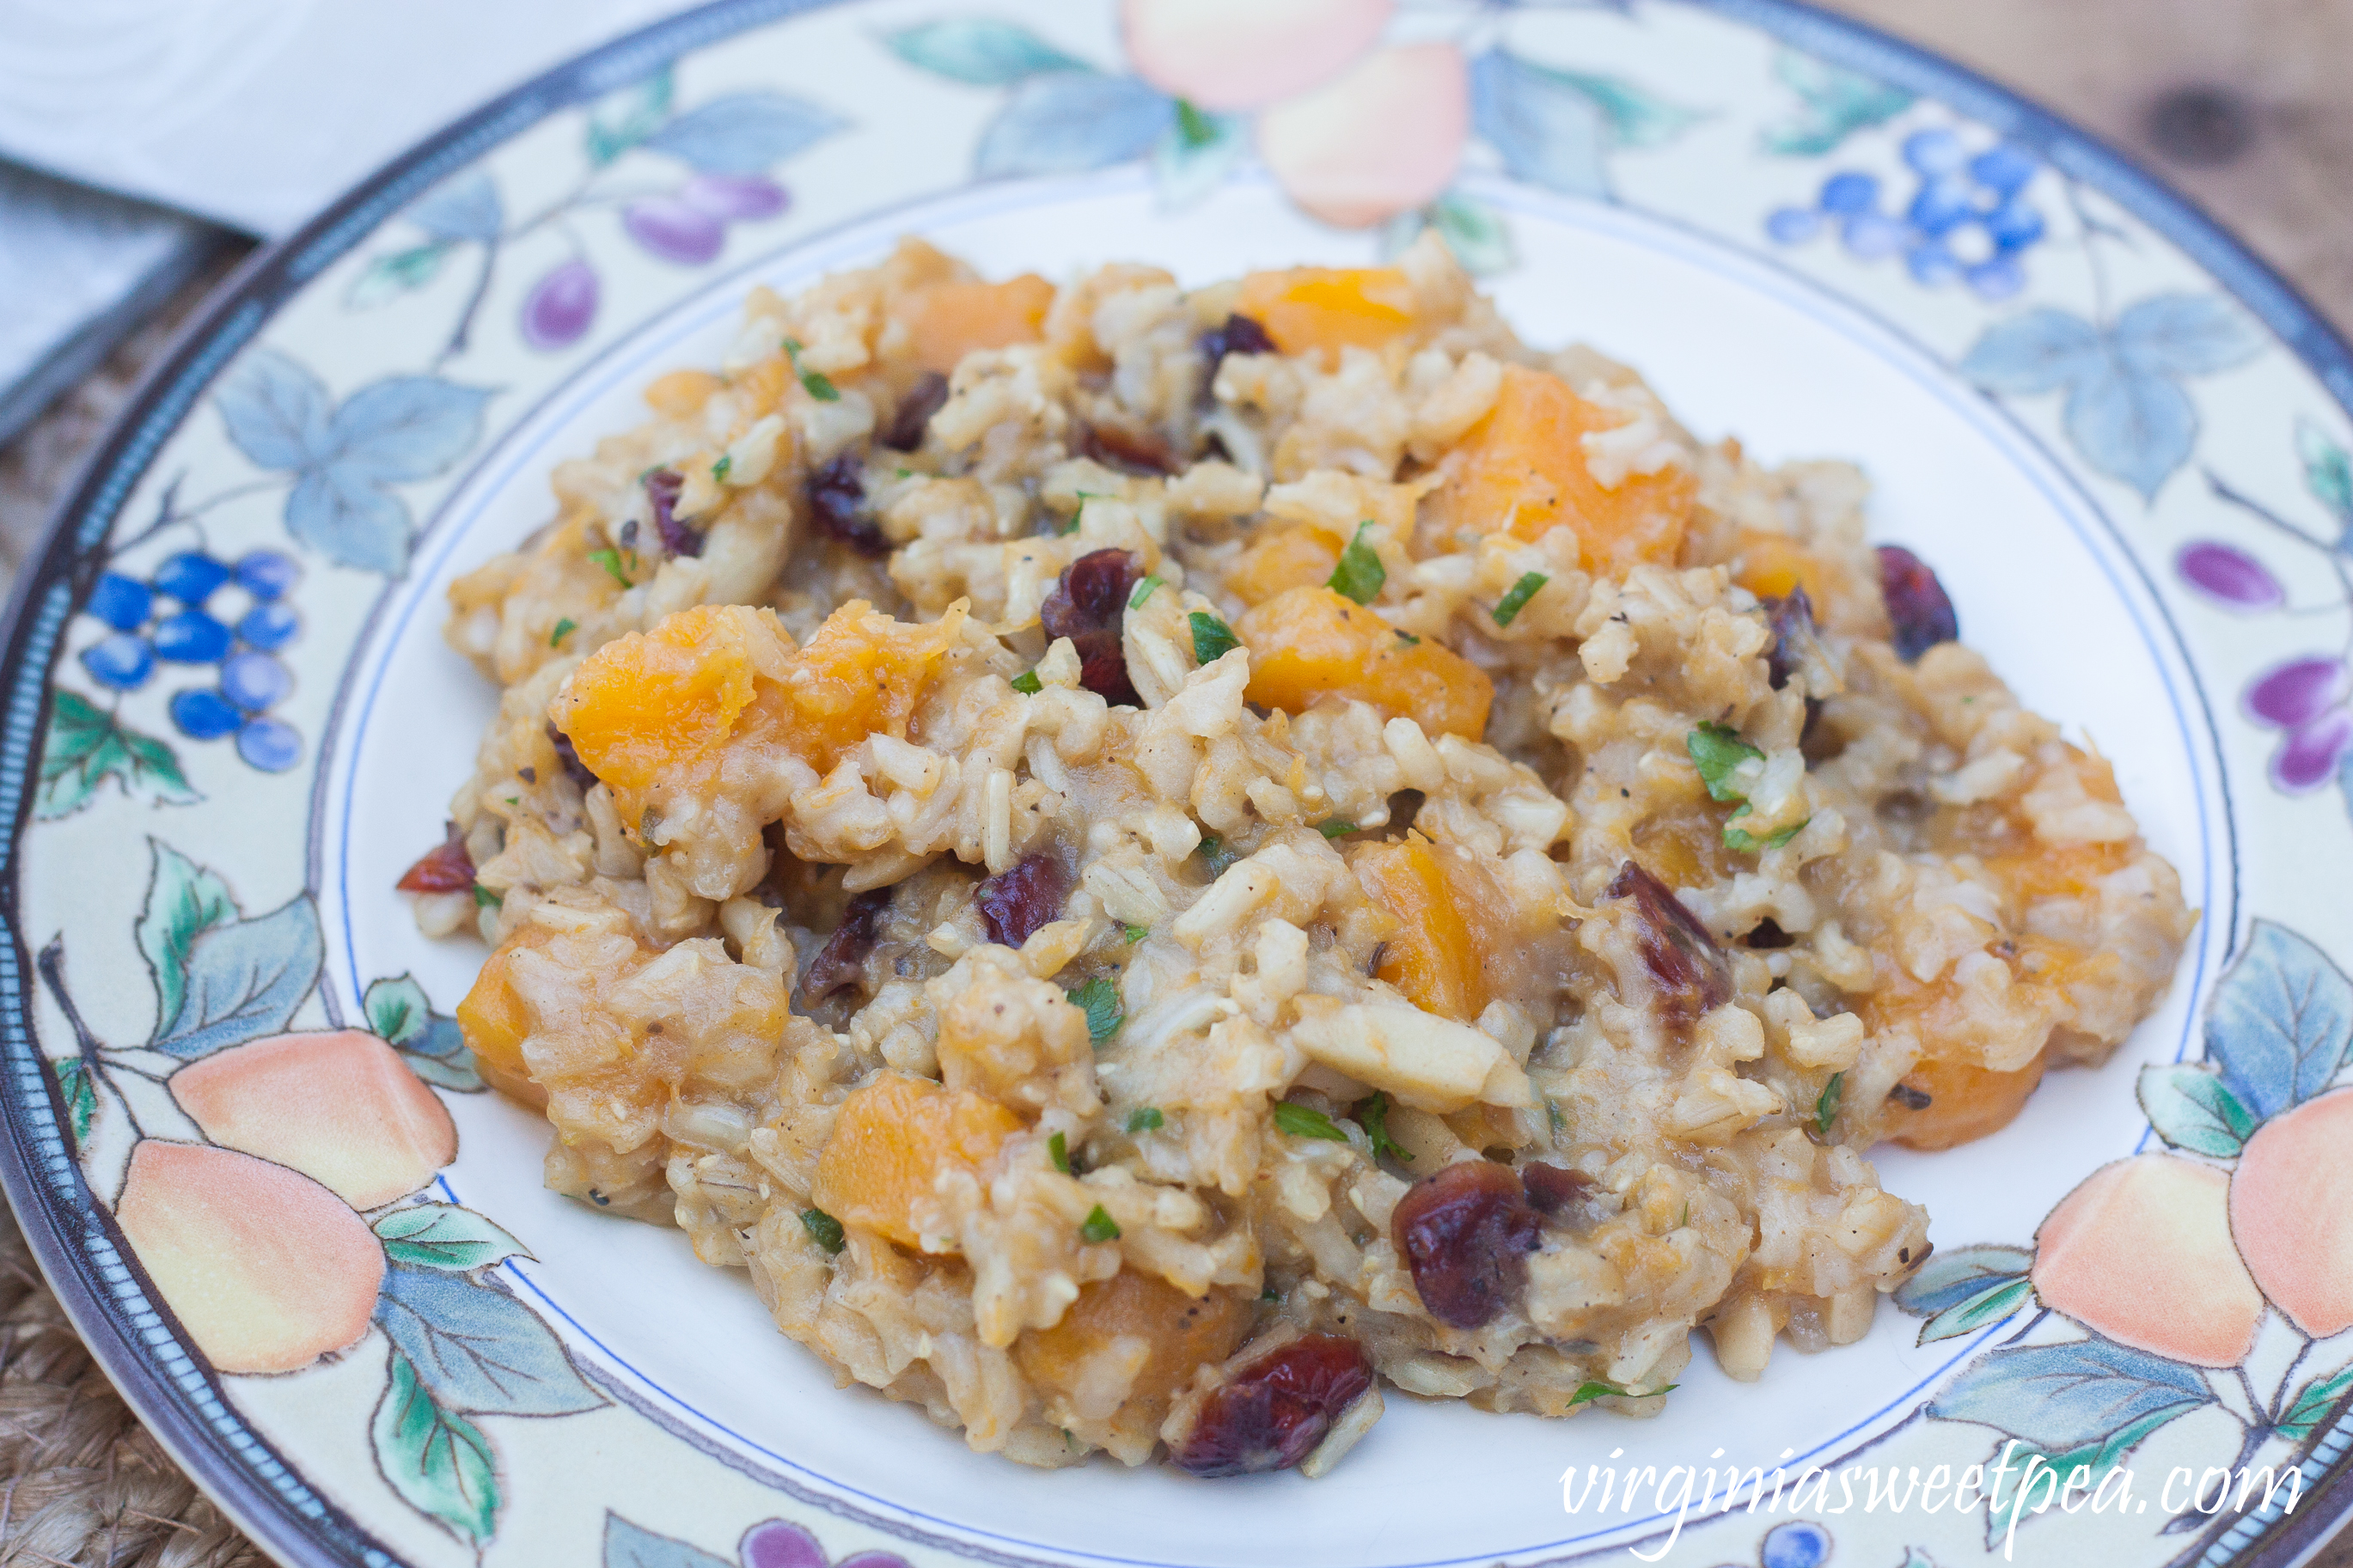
pixel 1430 1063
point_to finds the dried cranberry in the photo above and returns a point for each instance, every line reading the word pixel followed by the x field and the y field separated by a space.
pixel 568 758
pixel 662 488
pixel 1239 335
pixel 1272 1412
pixel 913 414
pixel 837 494
pixel 446 867
pixel 1791 619
pixel 1466 1233
pixel 1089 606
pixel 1024 897
pixel 1130 450
pixel 842 960
pixel 1552 1188
pixel 1688 972
pixel 1918 605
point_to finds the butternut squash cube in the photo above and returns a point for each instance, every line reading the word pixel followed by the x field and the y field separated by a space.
pixel 495 1022
pixel 891 1139
pixel 1329 308
pixel 1174 1333
pixel 1522 471
pixel 1303 556
pixel 650 702
pixel 1433 958
pixel 1310 642
pixel 949 321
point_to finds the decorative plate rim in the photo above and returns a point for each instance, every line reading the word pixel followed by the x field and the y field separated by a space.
pixel 264 1496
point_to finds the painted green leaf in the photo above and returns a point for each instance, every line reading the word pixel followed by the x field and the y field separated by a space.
pixel 86 746
pixel 1833 103
pixel 2313 1403
pixel 80 1095
pixel 2328 471
pixel 396 1009
pixel 1990 1305
pixel 979 52
pixel 2191 1108
pixel 631 1546
pixel 1475 232
pixel 2096 1458
pixel 395 273
pixel 437 1460
pixel 184 901
pixel 445 1072
pixel 1195 154
pixel 1955 1275
pixel 623 118
pixel 444 1236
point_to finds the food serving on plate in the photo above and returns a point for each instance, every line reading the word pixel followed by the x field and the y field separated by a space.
pixel 1148 859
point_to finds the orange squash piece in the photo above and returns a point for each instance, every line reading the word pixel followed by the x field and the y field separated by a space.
pixel 1184 1333
pixel 1522 471
pixel 649 703
pixel 495 1023
pixel 860 674
pixel 1771 565
pixel 1295 557
pixel 1329 308
pixel 890 1141
pixel 1433 959
pixel 1310 642
pixel 949 321
pixel 1965 1103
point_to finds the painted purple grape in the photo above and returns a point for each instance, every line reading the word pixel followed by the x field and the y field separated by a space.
pixel 122 661
pixel 255 681
pixel 268 626
pixel 560 306
pixel 674 229
pixel 204 715
pixel 2229 576
pixel 269 744
pixel 735 199
pixel 191 636
pixel 2297 692
pixel 776 1544
pixel 266 573
pixel 120 601
pixel 2308 757
pixel 190 578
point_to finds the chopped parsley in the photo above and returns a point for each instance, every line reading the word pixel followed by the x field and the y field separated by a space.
pixel 1512 604
pixel 1336 828
pixel 610 560
pixel 823 1229
pixel 814 382
pixel 1826 1108
pixel 1406 637
pixel 1372 1114
pixel 1099 999
pixel 1552 1110
pixel 1135 934
pixel 719 470
pixel 563 628
pixel 1060 1148
pixel 1305 1121
pixel 1028 683
pixel 1145 1118
pixel 1144 590
pixel 1610 1390
pixel 1360 574
pixel 1269 1295
pixel 483 896
pixel 1720 754
pixel 1214 851
pixel 1747 842
pixel 1685 1220
pixel 1099 1227
pixel 1212 639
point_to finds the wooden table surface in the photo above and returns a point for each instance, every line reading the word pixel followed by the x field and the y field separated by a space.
pixel 2240 104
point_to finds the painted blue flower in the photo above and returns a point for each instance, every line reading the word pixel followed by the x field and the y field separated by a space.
pixel 1966 219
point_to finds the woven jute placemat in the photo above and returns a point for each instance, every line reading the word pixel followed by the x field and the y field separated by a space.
pixel 2238 102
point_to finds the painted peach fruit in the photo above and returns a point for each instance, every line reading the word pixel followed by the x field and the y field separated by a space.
pixel 267 1269
pixel 340 1107
pixel 1381 139
pixel 2142 1253
pixel 2292 1211
pixel 1244 53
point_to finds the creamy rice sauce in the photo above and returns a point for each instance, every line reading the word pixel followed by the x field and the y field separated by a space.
pixel 1150 863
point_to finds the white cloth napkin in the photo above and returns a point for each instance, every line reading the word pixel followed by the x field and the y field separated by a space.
pixel 257 113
